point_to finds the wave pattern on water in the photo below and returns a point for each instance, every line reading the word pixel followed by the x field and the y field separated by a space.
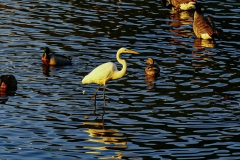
pixel 190 112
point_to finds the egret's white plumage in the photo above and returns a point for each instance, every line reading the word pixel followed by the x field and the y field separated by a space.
pixel 107 71
pixel 102 74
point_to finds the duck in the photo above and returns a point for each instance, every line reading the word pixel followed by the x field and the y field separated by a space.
pixel 49 58
pixel 203 27
pixel 152 69
pixel 180 5
pixel 8 82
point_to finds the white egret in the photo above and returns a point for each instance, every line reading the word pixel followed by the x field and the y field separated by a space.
pixel 107 71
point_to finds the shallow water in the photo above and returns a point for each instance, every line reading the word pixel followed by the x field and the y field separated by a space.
pixel 190 112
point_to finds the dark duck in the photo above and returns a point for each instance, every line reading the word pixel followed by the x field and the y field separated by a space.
pixel 8 83
pixel 49 58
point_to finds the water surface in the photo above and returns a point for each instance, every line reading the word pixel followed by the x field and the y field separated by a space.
pixel 190 112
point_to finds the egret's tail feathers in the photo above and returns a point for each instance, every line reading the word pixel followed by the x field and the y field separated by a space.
pixel 85 80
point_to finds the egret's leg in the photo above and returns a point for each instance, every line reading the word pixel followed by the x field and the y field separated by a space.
pixel 104 96
pixel 95 108
pixel 95 94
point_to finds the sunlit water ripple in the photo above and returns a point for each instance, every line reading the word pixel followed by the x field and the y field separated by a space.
pixel 190 112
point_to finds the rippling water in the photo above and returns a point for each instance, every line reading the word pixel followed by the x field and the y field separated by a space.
pixel 190 112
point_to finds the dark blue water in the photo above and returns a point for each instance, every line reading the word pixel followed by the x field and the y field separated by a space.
pixel 190 112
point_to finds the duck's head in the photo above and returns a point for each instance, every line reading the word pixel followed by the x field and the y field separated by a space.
pixel 46 56
pixel 149 61
pixel 8 82
pixel 47 51
pixel 199 8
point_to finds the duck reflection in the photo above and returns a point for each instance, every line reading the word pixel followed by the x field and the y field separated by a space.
pixel 46 70
pixel 150 81
pixel 107 138
pixel 200 57
pixel 8 86
pixel 180 23
pixel 201 44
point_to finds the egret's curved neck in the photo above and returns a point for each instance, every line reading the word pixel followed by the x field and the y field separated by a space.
pixel 120 73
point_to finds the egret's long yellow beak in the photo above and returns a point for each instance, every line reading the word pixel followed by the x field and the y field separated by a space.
pixel 132 52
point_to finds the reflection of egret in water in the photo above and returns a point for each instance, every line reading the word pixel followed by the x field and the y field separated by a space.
pixel 107 71
pixel 106 139
pixel 180 23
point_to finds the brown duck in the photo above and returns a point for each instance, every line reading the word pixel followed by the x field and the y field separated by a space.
pixel 49 58
pixel 203 27
pixel 152 69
